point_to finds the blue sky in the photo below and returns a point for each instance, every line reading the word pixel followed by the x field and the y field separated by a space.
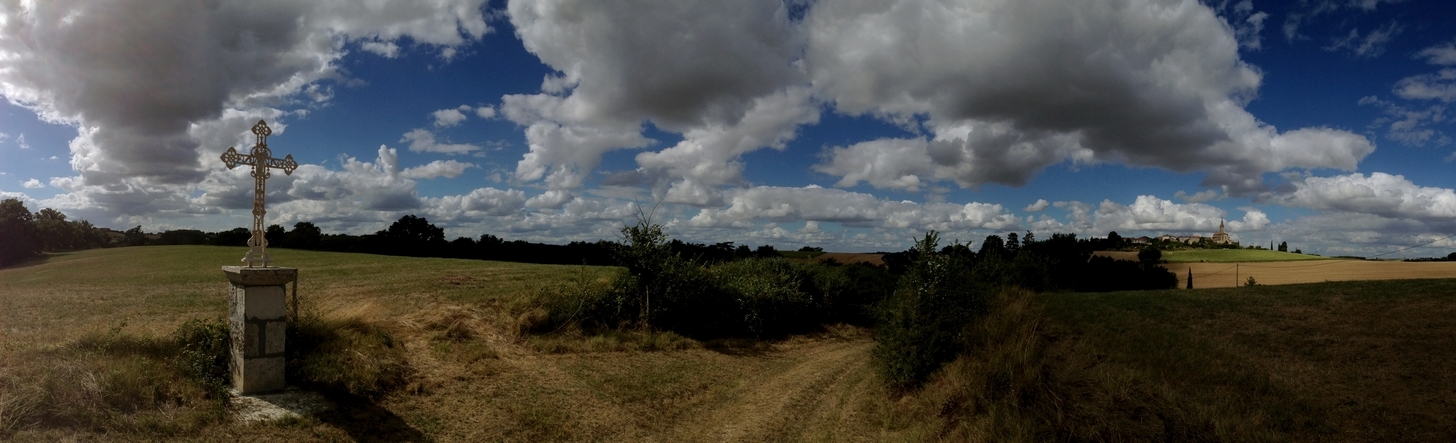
pixel 847 124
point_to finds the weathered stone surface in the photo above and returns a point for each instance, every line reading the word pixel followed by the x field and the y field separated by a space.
pixel 265 303
pixel 259 375
pixel 243 275
pixel 277 330
pixel 258 319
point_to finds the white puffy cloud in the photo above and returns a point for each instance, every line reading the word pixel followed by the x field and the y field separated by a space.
pixel 705 69
pixel 422 140
pixel 435 169
pixel 1149 213
pixel 708 156
pixel 155 92
pixel 553 199
pixel 1381 194
pixel 485 112
pixel 445 118
pixel 784 204
pixel 478 203
pixel 1040 205
pixel 32 184
pixel 1008 88
pixel 383 49
pixel 1439 86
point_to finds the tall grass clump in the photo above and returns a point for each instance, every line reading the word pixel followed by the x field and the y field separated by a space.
pixel 347 352
pixel 925 323
pixel 115 382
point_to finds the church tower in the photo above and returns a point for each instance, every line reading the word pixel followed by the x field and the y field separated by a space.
pixel 1220 237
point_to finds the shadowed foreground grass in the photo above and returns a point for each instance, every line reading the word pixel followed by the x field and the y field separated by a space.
pixel 83 355
pixel 1358 361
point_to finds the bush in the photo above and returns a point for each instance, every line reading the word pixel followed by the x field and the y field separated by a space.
pixel 924 324
pixel 203 355
pixel 774 296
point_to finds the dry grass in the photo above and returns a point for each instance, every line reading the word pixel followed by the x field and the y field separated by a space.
pixel 1360 361
pixel 1225 275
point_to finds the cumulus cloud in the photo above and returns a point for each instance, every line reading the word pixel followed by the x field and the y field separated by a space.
pixel 708 157
pixel 1381 194
pixel 1040 205
pixel 436 169
pixel 1149 213
pixel 383 49
pixel 1439 86
pixel 422 140
pixel 695 68
pixel 813 203
pixel 94 64
pixel 445 118
pixel 553 199
pixel 32 184
pixel 485 112
pixel 1008 88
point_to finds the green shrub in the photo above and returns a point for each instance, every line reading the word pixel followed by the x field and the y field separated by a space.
pixel 774 296
pixel 924 324
pixel 202 354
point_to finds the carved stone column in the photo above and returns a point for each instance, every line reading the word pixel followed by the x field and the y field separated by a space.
pixel 258 322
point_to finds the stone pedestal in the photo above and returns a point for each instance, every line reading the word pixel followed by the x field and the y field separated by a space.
pixel 258 322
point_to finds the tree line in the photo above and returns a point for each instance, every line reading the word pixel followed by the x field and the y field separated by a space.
pixel 24 235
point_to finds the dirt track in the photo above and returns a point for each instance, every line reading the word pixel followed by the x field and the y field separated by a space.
pixel 814 395
pixel 1225 275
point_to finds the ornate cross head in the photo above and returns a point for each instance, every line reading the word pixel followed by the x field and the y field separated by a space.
pixel 261 159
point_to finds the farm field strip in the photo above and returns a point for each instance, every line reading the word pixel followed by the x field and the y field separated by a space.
pixel 1225 275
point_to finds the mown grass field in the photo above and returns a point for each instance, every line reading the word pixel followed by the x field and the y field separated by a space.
pixel 1358 361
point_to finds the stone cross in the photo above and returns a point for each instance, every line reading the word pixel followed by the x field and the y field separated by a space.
pixel 261 159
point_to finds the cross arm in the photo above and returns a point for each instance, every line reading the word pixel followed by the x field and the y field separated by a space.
pixel 286 164
pixel 232 158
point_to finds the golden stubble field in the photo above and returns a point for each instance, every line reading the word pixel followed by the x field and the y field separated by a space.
pixel 1225 275
pixel 1228 275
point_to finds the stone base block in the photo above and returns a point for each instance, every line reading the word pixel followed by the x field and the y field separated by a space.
pixel 258 323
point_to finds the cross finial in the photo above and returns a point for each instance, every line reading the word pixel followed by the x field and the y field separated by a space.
pixel 262 131
pixel 261 160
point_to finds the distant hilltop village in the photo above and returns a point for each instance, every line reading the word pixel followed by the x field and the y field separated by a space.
pixel 1219 238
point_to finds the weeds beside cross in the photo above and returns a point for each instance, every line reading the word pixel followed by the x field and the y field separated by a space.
pixel 261 159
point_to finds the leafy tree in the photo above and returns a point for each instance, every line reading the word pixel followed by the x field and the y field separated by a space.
pixel 305 236
pixel 924 324
pixel 1150 256
pixel 18 240
pixel 135 237
pixel 1283 246
pixel 232 237
pixel 416 230
pixel 1012 243
pixel 993 246
pixel 276 236
pixel 766 251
